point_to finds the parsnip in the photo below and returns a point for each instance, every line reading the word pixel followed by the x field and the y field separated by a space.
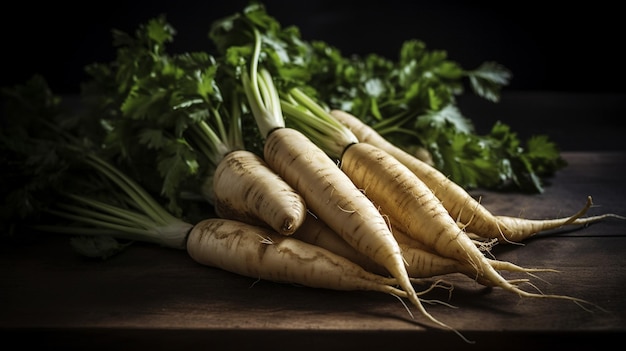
pixel 247 189
pixel 470 214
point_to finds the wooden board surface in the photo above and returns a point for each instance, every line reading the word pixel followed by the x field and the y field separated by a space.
pixel 159 298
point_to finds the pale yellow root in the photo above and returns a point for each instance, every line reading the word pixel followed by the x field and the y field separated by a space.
pixel 511 267
pixel 453 197
pixel 246 188
pixel 314 231
pixel 474 217
pixel 418 213
pixel 261 253
pixel 517 229
pixel 424 263
pixel 420 263
pixel 536 226
pixel 332 196
pixel 593 219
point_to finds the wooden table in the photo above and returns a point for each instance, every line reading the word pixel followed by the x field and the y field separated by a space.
pixel 157 298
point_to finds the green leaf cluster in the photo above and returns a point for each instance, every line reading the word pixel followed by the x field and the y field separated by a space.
pixel 61 178
pixel 411 101
pixel 179 112
pixel 165 120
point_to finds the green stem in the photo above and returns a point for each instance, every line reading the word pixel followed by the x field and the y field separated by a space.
pixel 392 122
pixel 235 135
pixel 262 94
pixel 115 213
pixel 80 231
pixel 144 200
pixel 121 231
pixel 397 129
pixel 76 210
pixel 200 143
pixel 317 124
pixel 209 142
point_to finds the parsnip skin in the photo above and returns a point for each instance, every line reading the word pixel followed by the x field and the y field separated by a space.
pixel 315 232
pixel 471 215
pixel 260 253
pixel 332 197
pixel 245 187
pixel 420 262
pixel 417 212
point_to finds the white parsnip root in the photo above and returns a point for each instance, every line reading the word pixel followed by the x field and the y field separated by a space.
pixel 327 191
pixel 315 197
pixel 247 189
pixel 420 214
pixel 261 253
pixel 472 216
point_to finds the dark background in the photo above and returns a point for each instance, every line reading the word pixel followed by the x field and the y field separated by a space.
pixel 567 61
pixel 547 47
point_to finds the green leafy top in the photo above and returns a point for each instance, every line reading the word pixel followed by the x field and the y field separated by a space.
pixel 57 168
pixel 410 101
pixel 30 168
pixel 170 110
pixel 165 119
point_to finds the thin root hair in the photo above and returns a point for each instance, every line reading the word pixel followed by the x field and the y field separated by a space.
pixel 386 218
pixel 486 245
pixel 439 283
pixel 363 191
pixel 346 210
pixel 534 287
pixel 443 325
pixel 438 302
pixel 538 277
pixel 254 283
pixel 475 265
pixel 311 213
pixel 504 236
pixel 458 219
pixel 588 309
pixel 517 281
pixel 577 301
pixel 406 307
pixel 265 240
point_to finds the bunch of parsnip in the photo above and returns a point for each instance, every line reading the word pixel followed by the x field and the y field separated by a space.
pixel 302 193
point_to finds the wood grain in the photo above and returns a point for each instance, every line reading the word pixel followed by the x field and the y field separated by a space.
pixel 159 298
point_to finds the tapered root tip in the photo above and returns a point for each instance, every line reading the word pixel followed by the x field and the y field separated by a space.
pixel 288 227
